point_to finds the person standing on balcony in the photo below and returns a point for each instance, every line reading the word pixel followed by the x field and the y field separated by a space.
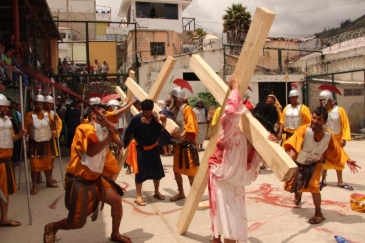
pixel 104 70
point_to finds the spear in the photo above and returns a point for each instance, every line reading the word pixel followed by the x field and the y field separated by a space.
pixel 22 149
pixel 42 78
pixel 25 148
pixel 57 137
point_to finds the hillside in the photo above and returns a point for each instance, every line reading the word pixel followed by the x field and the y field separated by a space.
pixel 353 25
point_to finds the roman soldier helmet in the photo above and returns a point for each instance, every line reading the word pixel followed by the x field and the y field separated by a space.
pixel 113 103
pixel 4 101
pixel 94 101
pixel 294 90
pixel 326 93
pixel 49 99
pixel 179 93
pixel 293 93
pixel 39 98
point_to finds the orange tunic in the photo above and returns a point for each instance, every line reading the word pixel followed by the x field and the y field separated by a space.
pixel 191 131
pixel 84 137
pixel 110 115
pixel 345 134
pixel 45 163
pixel 7 185
pixel 334 154
pixel 59 129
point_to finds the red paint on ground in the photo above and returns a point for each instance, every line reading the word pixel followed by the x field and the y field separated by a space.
pixel 324 230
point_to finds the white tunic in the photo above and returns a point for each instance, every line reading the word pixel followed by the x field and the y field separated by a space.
pixel 6 138
pixel 229 173
pixel 202 124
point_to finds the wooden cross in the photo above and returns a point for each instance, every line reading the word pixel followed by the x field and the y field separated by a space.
pixel 156 88
pixel 271 152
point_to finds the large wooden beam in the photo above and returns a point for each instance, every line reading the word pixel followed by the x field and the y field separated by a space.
pixel 276 158
pixel 169 125
pixel 209 78
pixel 130 95
pixel 254 43
pixel 161 78
pixel 272 153
pixel 124 97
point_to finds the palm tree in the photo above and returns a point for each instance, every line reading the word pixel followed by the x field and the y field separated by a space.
pixel 198 38
pixel 237 21
pixel 200 32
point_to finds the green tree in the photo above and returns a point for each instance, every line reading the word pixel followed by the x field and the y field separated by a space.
pixel 237 21
pixel 200 32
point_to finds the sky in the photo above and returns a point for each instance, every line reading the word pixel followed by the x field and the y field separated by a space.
pixel 294 18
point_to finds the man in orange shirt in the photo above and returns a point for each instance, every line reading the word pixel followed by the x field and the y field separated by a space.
pixel 87 179
pixel 308 145
pixel 7 179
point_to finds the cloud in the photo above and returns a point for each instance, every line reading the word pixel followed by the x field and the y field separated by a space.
pixel 292 20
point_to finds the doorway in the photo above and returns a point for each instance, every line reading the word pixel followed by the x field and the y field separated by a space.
pixel 275 88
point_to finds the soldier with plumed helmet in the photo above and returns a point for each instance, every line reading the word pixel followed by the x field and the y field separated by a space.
pixel 7 179
pixel 40 125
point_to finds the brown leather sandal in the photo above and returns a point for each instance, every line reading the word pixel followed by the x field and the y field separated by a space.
pixel 49 235
pixel 120 238
pixel 177 197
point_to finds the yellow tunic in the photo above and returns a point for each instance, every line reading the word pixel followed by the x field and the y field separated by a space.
pixel 334 154
pixel 6 153
pixel 112 117
pixel 345 134
pixel 45 163
pixel 191 131
pixel 304 113
pixel 59 129
pixel 216 116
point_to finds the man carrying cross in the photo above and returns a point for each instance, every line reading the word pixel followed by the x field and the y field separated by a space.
pixel 233 165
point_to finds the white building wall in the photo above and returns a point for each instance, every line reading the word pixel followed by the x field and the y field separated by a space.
pixel 82 6
pixel 150 23
pixel 148 73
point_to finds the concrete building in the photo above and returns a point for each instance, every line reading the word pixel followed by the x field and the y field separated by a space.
pixel 103 40
pixel 343 65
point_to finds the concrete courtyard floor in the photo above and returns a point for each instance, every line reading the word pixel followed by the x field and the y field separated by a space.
pixel 272 217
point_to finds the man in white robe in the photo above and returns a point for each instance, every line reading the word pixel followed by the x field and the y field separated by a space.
pixel 233 165
pixel 202 118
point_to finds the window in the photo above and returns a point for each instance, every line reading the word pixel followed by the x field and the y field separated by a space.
pixel 157 48
pixel 190 77
pixel 142 10
pixel 157 10
pixel 171 11
pixel 353 92
pixel 63 35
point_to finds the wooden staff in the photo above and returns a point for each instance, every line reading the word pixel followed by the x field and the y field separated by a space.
pixel 82 107
pixel 25 148
pixel 57 137
pixel 21 149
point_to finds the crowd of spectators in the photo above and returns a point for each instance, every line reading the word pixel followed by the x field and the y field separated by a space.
pixel 13 56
